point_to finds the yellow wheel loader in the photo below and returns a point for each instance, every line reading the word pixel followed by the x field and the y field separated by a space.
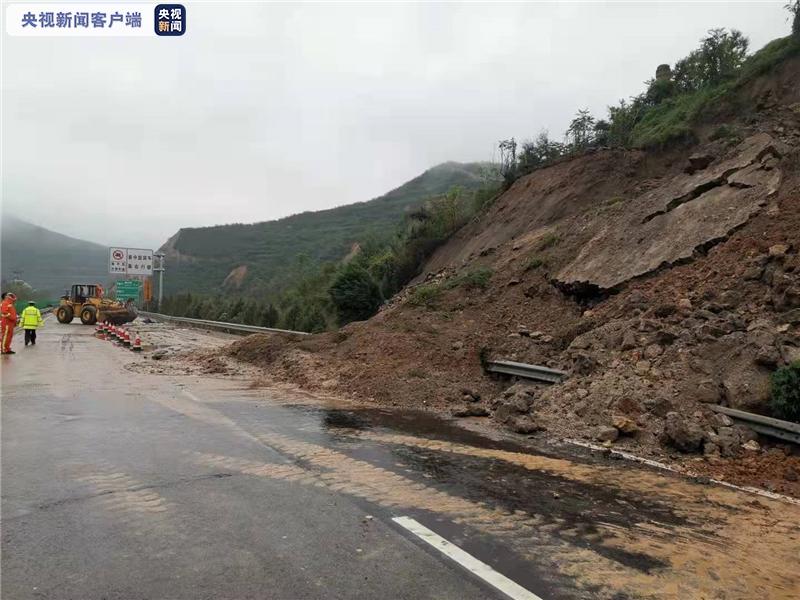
pixel 85 301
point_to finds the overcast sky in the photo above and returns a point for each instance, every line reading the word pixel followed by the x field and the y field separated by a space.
pixel 265 110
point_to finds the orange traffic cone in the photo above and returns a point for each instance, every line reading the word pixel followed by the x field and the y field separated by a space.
pixel 112 333
pixel 137 344
pixel 126 339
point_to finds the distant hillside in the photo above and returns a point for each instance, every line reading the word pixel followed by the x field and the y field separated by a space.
pixel 47 260
pixel 200 259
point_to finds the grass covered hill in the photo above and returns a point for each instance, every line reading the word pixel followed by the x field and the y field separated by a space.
pixel 200 259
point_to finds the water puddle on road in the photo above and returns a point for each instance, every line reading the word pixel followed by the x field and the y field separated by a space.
pixel 569 526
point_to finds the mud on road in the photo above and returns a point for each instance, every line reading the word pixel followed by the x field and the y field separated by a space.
pixel 566 522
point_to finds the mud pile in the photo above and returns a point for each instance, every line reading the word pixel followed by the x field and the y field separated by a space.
pixel 663 282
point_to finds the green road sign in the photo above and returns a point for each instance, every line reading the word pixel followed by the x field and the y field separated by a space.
pixel 128 289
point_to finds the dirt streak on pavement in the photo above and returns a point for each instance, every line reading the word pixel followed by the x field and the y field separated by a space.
pixel 612 530
pixel 696 552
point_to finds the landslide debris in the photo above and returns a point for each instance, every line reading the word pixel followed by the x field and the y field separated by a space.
pixel 681 216
pixel 662 284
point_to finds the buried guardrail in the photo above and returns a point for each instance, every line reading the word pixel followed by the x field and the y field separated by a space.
pixel 783 430
pixel 230 327
pixel 536 372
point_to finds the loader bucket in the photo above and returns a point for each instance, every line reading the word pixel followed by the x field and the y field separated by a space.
pixel 118 315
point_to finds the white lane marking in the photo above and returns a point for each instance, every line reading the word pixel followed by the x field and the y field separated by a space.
pixel 469 562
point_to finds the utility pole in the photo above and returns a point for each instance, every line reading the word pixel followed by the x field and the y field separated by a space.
pixel 160 271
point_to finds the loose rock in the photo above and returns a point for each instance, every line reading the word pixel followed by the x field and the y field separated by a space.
pixel 751 446
pixel 604 433
pixel 683 434
pixel 778 250
pixel 470 410
pixel 625 425
pixel 524 424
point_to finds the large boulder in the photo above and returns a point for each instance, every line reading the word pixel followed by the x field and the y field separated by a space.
pixel 746 386
pixel 516 400
pixel 684 434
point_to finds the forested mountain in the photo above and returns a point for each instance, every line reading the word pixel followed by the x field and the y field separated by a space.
pixel 256 258
pixel 49 261
pixel 692 101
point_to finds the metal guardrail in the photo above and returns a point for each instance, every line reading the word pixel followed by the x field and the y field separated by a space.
pixel 526 371
pixel 230 327
pixel 783 430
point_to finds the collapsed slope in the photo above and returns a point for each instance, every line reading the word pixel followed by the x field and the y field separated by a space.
pixel 662 283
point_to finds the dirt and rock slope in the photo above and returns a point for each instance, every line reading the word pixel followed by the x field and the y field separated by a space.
pixel 664 282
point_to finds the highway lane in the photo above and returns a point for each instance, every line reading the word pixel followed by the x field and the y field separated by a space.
pixel 119 484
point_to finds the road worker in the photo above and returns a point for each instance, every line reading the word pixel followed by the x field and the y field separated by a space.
pixel 31 320
pixel 8 320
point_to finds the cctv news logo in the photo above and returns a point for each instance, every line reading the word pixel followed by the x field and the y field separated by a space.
pixel 170 19
pixel 96 19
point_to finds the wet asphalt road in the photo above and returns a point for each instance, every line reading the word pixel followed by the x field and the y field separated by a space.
pixel 123 485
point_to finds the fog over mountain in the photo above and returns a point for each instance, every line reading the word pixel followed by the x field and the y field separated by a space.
pixel 265 110
pixel 47 260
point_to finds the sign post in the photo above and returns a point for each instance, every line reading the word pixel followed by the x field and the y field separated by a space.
pixel 160 270
pixel 117 261
pixel 130 261
pixel 136 261
pixel 128 289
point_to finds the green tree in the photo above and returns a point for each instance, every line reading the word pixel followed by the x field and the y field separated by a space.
pixel 235 311
pixel 602 129
pixel 313 320
pixel 622 119
pixel 785 395
pixel 195 309
pixel 718 59
pixel 269 316
pixel 508 160
pixel 451 207
pixel 355 294
pixel 723 54
pixel 209 310
pixel 292 318
pixel 794 9
pixel 538 152
pixel 251 313
pixel 659 90
pixel 580 133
